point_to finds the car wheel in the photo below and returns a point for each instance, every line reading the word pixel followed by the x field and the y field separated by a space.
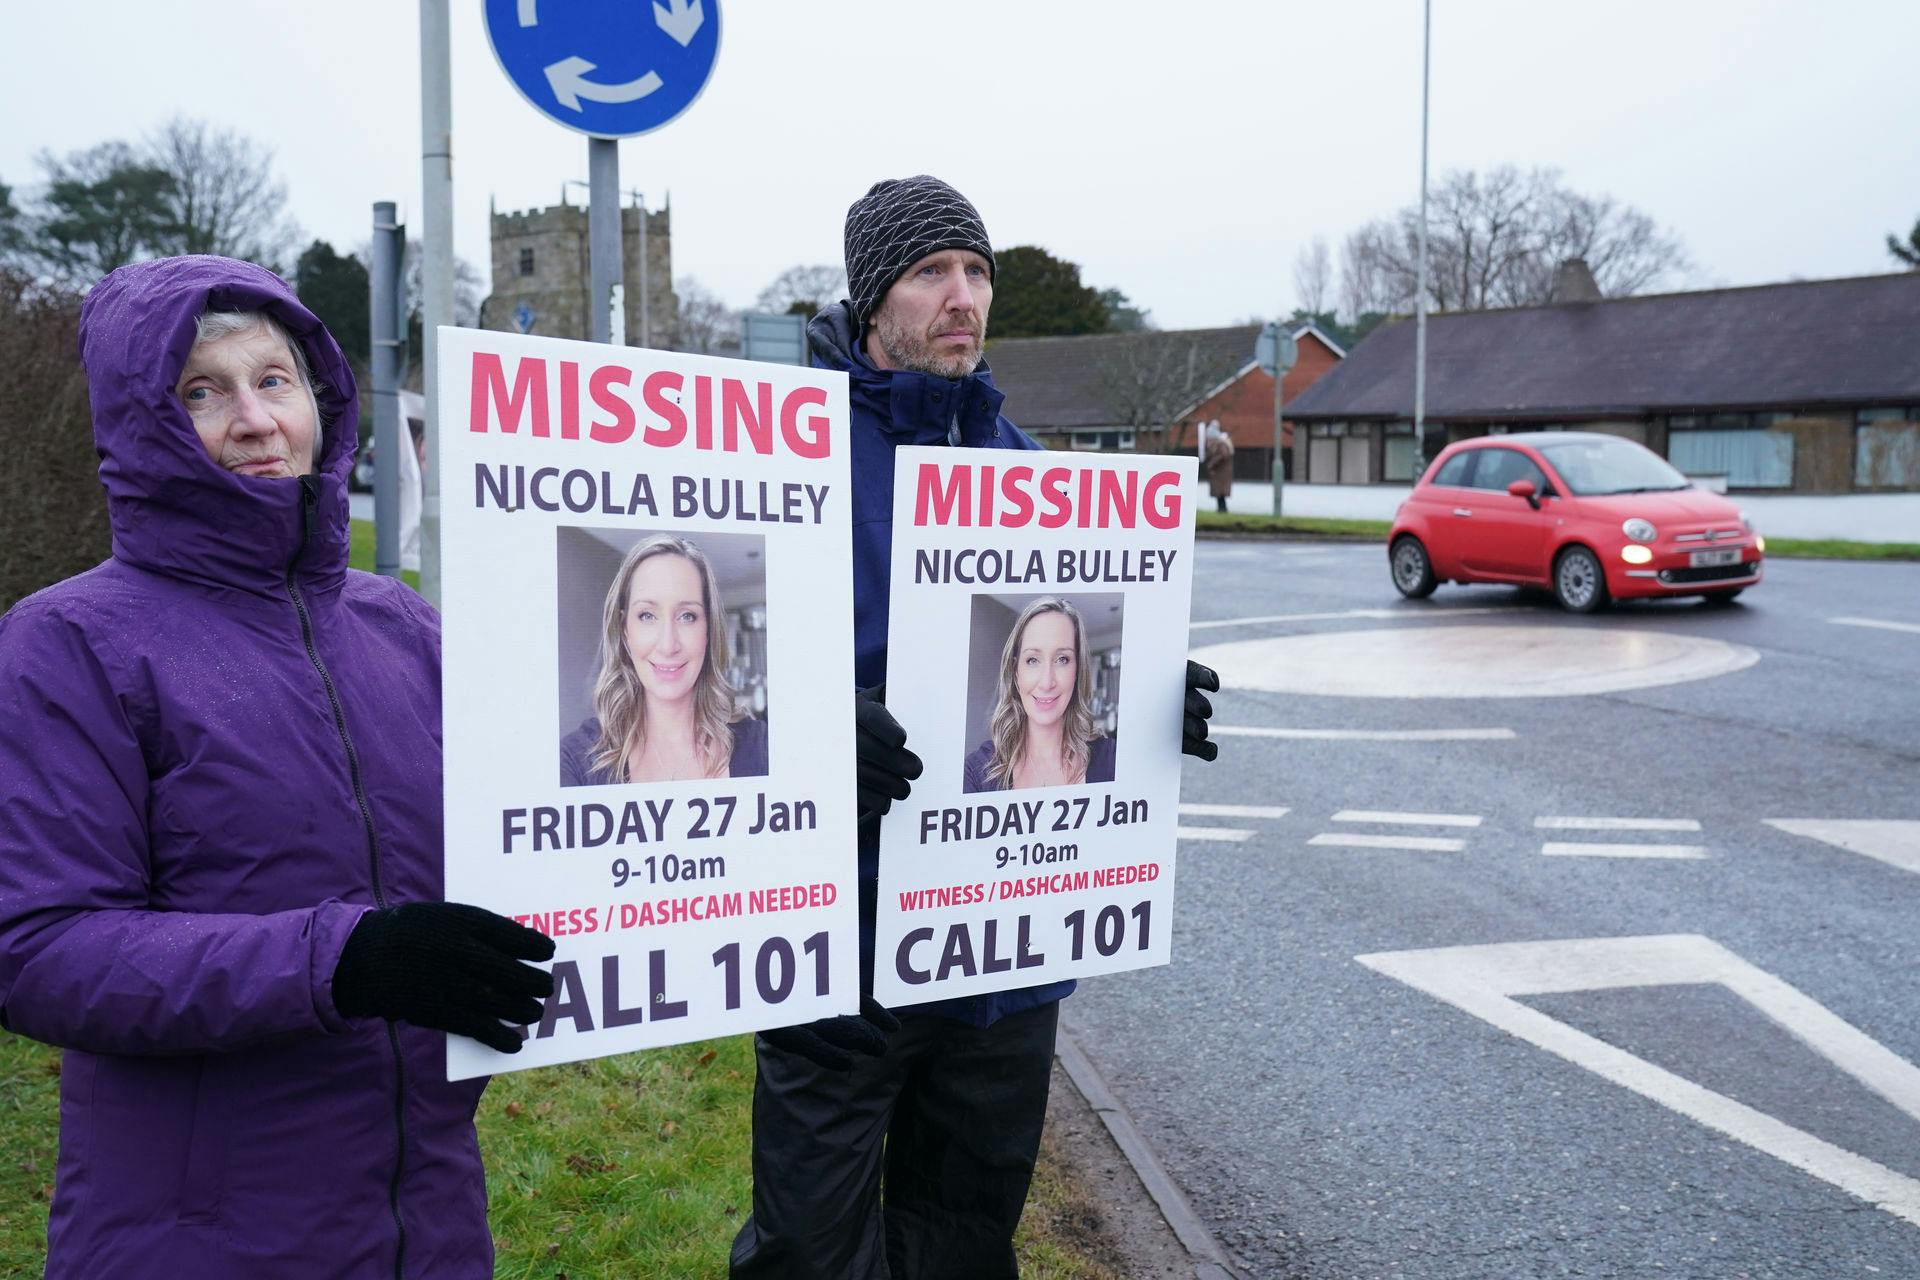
pixel 1578 583
pixel 1723 597
pixel 1412 571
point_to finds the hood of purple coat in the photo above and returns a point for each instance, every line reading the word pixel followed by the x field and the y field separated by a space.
pixel 174 510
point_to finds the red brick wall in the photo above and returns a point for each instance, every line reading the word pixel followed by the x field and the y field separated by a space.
pixel 1245 407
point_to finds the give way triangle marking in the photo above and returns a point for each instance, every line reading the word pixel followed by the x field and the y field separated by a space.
pixel 1894 841
pixel 1485 980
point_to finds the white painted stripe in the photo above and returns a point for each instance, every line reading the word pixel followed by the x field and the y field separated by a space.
pixel 1484 981
pixel 1583 849
pixel 1233 811
pixel 1361 735
pixel 1616 824
pixel 1895 842
pixel 1417 844
pixel 1230 835
pixel 1876 622
pixel 1407 819
pixel 1388 615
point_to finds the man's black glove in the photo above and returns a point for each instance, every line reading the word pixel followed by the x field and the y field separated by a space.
pixel 1193 734
pixel 880 750
pixel 835 1044
pixel 447 966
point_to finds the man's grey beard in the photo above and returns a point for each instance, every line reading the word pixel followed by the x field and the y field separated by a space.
pixel 904 351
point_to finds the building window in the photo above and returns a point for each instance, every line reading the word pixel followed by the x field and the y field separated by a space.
pixel 1721 444
pixel 526 262
pixel 1400 453
pixel 1886 448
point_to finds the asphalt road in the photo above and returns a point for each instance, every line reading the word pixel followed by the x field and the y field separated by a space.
pixel 1683 1098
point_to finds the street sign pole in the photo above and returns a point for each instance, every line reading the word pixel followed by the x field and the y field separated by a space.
pixel 607 318
pixel 436 266
pixel 388 333
pixel 1274 351
pixel 1279 440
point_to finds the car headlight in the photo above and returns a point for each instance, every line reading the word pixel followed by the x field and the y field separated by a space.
pixel 1634 553
pixel 1639 530
pixel 1760 543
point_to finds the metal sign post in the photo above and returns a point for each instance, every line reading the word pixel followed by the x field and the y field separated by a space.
pixel 610 69
pixel 389 328
pixel 1276 350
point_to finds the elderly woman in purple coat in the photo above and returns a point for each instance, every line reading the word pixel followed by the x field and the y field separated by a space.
pixel 220 842
pixel 1042 732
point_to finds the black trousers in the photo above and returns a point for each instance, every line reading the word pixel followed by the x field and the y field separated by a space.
pixel 913 1166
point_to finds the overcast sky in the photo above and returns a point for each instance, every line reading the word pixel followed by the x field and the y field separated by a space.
pixel 1183 152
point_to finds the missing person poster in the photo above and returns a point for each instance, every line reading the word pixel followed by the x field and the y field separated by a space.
pixel 1036 647
pixel 648 647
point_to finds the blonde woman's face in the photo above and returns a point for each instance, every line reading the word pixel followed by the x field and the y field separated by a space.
pixel 1046 667
pixel 666 627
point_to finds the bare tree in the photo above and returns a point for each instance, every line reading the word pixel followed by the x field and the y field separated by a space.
pixel 1313 275
pixel 804 290
pixel 225 198
pixel 707 324
pixel 1150 378
pixel 1496 241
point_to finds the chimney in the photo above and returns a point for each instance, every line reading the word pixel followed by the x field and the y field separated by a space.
pixel 1573 282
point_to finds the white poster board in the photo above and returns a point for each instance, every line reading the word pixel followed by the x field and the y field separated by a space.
pixel 680 909
pixel 1017 860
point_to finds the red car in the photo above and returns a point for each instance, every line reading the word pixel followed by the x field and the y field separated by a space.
pixel 1590 517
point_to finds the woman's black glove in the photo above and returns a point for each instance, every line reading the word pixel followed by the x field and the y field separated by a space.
pixel 835 1044
pixel 447 966
pixel 1193 734
pixel 880 750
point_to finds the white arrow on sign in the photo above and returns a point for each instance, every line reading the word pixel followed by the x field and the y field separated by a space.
pixel 680 19
pixel 570 84
pixel 527 16
pixel 1484 981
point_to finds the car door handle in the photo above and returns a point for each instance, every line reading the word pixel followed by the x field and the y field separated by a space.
pixel 1462 511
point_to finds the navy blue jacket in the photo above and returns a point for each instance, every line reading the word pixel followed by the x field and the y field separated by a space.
pixel 890 409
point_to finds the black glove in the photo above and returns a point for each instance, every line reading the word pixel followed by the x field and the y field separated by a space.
pixel 880 749
pixel 447 966
pixel 835 1044
pixel 1193 734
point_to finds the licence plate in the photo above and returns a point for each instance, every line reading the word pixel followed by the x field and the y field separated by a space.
pixel 1704 559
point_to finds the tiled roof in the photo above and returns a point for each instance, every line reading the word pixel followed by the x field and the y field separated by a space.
pixel 1854 341
pixel 1101 380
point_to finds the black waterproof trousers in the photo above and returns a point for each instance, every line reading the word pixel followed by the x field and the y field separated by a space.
pixel 949 1120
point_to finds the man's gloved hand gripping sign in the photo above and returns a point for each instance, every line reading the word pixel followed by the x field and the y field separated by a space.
pixel 648 643
pixel 1037 642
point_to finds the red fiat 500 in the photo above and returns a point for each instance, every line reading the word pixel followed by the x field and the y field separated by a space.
pixel 1592 517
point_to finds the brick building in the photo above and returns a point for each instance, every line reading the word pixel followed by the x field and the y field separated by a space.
pixel 540 274
pixel 1807 387
pixel 1243 406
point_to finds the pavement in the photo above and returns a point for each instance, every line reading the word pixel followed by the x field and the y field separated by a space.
pixel 1475 977
pixel 1858 517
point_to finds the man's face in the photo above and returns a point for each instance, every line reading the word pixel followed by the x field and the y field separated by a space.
pixel 251 411
pixel 934 317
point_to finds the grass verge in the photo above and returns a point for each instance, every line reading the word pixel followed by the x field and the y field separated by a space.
pixel 629 1166
pixel 1835 549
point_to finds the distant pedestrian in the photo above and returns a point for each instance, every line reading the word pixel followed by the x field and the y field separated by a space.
pixel 1219 466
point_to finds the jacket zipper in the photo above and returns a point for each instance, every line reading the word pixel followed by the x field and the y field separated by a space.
pixel 309 502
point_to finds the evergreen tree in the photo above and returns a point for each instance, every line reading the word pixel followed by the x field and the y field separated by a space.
pixel 1036 295
pixel 336 288
pixel 1909 252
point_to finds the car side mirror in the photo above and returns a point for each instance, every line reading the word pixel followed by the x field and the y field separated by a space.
pixel 1525 489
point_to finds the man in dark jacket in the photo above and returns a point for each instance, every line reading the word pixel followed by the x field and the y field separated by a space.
pixel 946 1101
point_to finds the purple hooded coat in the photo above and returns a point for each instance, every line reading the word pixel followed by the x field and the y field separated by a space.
pixel 218 749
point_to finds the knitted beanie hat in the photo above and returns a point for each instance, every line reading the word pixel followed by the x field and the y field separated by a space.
pixel 898 222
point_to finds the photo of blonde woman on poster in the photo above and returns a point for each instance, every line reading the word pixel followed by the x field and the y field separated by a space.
pixel 1053 695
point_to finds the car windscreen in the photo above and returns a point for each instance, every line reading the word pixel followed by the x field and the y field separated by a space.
pixel 1594 467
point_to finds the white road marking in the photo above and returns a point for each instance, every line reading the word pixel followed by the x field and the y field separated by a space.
pixel 1483 981
pixel 1616 824
pixel 1391 817
pixel 1876 622
pixel 1416 844
pixel 1388 615
pixel 1233 811
pixel 1230 835
pixel 1895 842
pixel 1361 735
pixel 1586 849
